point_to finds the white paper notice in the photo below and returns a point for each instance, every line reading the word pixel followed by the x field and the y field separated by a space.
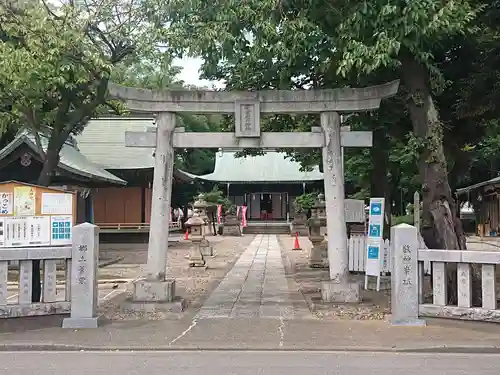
pixel 57 204
pixel 60 230
pixel 6 201
pixel 27 231
pixel 24 201
pixel 2 231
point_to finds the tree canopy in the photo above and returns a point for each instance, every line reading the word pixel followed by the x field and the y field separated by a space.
pixel 429 135
pixel 57 61
pixel 438 133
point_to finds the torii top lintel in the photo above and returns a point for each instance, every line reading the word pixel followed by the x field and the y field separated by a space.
pixel 268 101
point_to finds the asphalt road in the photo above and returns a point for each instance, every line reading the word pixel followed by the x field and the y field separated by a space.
pixel 245 363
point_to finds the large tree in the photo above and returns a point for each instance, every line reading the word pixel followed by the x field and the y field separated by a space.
pixel 308 44
pixel 57 60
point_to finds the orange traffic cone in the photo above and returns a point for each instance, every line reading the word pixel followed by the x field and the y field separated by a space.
pixel 296 245
pixel 186 235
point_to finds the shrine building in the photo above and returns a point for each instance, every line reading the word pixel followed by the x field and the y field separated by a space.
pixel 267 184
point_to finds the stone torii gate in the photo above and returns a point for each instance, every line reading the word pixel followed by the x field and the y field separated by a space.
pixel 247 107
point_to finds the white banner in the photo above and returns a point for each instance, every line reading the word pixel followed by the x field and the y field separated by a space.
pixel 374 239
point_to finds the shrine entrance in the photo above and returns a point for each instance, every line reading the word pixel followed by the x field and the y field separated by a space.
pixel 247 108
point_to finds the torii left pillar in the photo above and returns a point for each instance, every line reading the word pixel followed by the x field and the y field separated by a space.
pixel 155 287
pixel 339 288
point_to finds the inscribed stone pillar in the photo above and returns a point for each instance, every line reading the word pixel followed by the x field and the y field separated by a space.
pixel 338 289
pixel 161 197
pixel 404 276
pixel 84 268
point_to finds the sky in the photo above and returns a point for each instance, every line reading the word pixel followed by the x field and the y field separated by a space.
pixel 190 73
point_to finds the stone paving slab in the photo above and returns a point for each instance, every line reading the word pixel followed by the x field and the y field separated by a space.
pixel 256 286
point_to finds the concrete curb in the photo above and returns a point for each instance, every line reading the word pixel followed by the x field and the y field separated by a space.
pixel 493 350
pixel 110 262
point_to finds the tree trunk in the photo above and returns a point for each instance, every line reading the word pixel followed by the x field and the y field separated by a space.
pixel 441 227
pixel 379 179
pixel 44 179
pixel 49 165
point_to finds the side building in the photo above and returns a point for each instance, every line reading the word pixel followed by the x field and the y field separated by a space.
pixel 486 210
pixel 114 182
pixel 20 160
pixel 122 208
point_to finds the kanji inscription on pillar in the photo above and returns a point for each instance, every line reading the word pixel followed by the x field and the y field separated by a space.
pixel 247 118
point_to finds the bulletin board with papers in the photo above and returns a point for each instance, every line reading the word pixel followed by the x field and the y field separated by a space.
pixel 32 215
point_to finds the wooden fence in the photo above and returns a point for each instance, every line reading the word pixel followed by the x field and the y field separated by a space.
pixel 357 255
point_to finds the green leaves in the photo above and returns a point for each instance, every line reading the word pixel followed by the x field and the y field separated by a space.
pixel 373 36
pixel 56 60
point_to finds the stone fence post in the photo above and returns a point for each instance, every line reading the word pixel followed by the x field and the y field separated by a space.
pixel 404 276
pixel 84 268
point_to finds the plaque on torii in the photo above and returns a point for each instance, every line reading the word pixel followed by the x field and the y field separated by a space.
pixel 247 107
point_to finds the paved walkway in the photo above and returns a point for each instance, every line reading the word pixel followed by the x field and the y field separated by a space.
pixel 256 287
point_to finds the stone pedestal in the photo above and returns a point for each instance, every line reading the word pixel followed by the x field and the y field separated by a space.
pixel 196 258
pixel 318 258
pixel 231 226
pixel 299 225
pixel 154 290
pixel 341 292
pixel 152 297
pixel 206 249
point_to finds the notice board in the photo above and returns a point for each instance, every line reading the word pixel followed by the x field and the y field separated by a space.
pixel 32 215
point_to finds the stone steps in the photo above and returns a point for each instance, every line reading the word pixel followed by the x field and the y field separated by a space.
pixel 267 229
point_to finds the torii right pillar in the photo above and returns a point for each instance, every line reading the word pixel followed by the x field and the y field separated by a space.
pixel 339 288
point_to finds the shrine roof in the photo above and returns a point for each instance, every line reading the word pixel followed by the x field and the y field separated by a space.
pixel 271 167
pixel 71 159
pixel 103 142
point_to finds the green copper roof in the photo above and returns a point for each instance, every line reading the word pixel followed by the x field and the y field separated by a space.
pixel 103 142
pixel 271 167
pixel 71 159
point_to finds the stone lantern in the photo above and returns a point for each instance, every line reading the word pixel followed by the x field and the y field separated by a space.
pixel 196 224
pixel 201 206
pixel 321 212
pixel 232 225
pixel 318 258
pixel 299 222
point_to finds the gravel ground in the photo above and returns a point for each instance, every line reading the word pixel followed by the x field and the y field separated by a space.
pixel 193 285
pixel 374 305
